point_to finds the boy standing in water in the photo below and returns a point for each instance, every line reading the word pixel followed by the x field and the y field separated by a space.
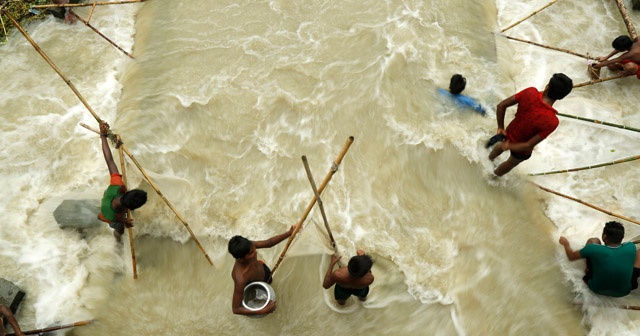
pixel 248 269
pixel 535 120
pixel 612 268
pixel 116 200
pixel 351 280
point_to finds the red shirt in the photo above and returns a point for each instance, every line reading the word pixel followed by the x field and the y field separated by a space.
pixel 534 117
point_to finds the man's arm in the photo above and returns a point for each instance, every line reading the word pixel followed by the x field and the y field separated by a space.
pixel 522 146
pixel 275 240
pixel 104 131
pixel 602 59
pixel 238 308
pixel 620 58
pixel 501 110
pixel 329 279
pixel 571 254
pixel 4 310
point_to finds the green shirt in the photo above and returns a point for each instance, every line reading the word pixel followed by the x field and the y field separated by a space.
pixel 612 268
pixel 107 211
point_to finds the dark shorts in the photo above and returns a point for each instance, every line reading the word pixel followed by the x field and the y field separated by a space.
pixel 521 155
pixel 119 227
pixel 341 293
pixel 267 272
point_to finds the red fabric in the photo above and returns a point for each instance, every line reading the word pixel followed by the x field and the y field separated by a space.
pixel 637 71
pixel 532 117
pixel 116 179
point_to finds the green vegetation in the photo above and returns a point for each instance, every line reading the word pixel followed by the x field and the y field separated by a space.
pixel 19 10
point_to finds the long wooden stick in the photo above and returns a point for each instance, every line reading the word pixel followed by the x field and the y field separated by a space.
pixel 589 205
pixel 627 19
pixel 595 81
pixel 87 4
pixel 549 47
pixel 130 230
pixel 43 330
pixel 600 122
pixel 530 15
pixel 320 205
pixel 627 307
pixel 86 22
pixel 153 185
pixel 629 159
pixel 334 169
pixel 57 70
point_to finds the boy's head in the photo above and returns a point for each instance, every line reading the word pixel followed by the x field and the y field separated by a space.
pixel 133 199
pixel 560 85
pixel 359 265
pixel 613 233
pixel 457 84
pixel 240 246
pixel 622 43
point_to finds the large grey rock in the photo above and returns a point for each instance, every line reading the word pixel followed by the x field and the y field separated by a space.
pixel 78 214
pixel 10 295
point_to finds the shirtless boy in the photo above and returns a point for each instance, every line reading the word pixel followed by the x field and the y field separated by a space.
pixel 627 62
pixel 351 280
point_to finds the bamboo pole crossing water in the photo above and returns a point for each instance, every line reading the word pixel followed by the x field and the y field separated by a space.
pixel 333 170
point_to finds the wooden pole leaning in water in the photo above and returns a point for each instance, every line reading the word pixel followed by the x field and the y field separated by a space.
pixel 627 20
pixel 43 330
pixel 599 122
pixel 549 47
pixel 589 205
pixel 333 170
pixel 629 159
pixel 53 66
pixel 87 4
pixel 129 230
pixel 530 15
pixel 627 307
pixel 320 205
pixel 166 201
pixel 595 81
pixel 86 22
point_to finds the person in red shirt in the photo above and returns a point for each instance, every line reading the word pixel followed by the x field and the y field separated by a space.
pixel 535 119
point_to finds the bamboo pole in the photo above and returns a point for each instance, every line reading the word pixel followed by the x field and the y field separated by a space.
pixel 627 19
pixel 333 170
pixel 91 12
pixel 43 330
pixel 130 230
pixel 549 47
pixel 627 307
pixel 166 201
pixel 530 15
pixel 589 205
pixel 595 81
pixel 600 122
pixel 87 4
pixel 86 22
pixel 629 159
pixel 57 70
pixel 320 205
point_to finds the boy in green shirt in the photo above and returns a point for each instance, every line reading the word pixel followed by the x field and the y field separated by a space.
pixel 116 199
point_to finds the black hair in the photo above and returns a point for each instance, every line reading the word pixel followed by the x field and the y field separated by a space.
pixel 457 84
pixel 622 43
pixel 560 85
pixel 239 246
pixel 359 265
pixel 134 199
pixel 614 232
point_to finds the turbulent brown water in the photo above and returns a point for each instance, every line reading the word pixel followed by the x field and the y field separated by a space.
pixel 222 100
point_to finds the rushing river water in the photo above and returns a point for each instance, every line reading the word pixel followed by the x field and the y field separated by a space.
pixel 222 100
